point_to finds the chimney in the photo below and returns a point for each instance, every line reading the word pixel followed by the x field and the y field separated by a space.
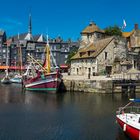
pixel 136 26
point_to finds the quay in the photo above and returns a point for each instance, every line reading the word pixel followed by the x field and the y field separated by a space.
pixel 101 84
pixel 96 84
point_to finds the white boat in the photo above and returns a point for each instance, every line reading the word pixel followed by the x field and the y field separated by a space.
pixel 128 118
pixel 16 79
pixel 6 78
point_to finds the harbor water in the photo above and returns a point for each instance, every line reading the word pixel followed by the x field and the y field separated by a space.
pixel 64 116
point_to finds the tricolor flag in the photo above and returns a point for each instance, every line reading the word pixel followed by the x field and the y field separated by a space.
pixel 124 24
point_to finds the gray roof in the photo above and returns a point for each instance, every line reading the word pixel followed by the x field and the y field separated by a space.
pixel 20 36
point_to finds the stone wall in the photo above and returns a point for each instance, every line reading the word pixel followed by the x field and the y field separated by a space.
pixel 91 86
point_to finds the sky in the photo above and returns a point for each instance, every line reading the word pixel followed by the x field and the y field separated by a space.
pixel 66 18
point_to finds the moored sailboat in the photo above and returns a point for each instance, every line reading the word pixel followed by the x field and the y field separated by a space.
pixel 6 78
pixel 128 118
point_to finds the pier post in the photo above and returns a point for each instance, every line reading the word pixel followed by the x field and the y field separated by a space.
pixel 124 90
pixel 132 90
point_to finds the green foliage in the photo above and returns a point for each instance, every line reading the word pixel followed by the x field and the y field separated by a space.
pixel 72 53
pixel 113 30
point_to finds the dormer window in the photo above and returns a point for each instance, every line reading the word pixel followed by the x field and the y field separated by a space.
pixel 81 53
pixel 88 53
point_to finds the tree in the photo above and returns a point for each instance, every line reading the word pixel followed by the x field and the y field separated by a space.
pixel 71 54
pixel 113 30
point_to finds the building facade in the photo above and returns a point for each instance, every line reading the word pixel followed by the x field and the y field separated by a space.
pixel 19 46
pixel 98 52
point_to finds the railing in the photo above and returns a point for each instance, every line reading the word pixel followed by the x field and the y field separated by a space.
pixel 129 109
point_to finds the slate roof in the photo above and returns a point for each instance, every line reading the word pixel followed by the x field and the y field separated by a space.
pixel 93 49
pixel 92 28
pixel 21 37
pixel 36 37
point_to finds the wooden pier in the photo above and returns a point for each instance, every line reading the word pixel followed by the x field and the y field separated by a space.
pixel 128 86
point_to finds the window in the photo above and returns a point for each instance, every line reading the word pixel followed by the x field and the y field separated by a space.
pixel 54 54
pixel 4 56
pixel 93 68
pixel 105 55
pixel 54 47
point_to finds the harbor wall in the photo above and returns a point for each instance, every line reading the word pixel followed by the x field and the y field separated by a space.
pixel 91 86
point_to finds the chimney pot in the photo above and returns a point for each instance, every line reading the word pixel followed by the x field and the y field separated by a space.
pixel 136 26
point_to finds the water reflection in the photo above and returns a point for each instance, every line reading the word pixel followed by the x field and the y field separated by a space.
pixel 71 116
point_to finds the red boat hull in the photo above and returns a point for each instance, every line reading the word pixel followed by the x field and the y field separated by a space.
pixel 50 83
pixel 132 132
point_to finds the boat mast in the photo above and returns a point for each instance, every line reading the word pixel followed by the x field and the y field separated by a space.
pixel 20 55
pixel 7 57
pixel 48 56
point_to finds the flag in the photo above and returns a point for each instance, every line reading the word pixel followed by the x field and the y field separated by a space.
pixel 124 24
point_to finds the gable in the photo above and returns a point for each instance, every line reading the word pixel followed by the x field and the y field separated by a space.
pixel 93 50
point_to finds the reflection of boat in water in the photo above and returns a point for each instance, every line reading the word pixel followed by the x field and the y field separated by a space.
pixel 128 117
pixel 43 79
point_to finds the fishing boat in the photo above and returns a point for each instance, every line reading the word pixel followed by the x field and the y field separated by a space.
pixel 128 118
pixel 43 79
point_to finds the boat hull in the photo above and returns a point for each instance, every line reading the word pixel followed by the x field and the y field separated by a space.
pixel 49 83
pixel 16 80
pixel 6 81
pixel 132 132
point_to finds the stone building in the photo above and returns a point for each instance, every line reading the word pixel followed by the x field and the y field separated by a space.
pixel 97 52
pixel 133 43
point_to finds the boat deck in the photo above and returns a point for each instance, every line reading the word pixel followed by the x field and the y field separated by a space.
pixel 131 119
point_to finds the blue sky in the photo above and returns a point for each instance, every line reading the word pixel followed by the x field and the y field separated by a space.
pixel 66 18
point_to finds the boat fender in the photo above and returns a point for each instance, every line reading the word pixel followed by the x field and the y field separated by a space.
pixel 124 127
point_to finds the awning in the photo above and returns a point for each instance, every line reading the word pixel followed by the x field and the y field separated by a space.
pixel 4 67
pixel 17 68
pixel 64 66
pixel 12 67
